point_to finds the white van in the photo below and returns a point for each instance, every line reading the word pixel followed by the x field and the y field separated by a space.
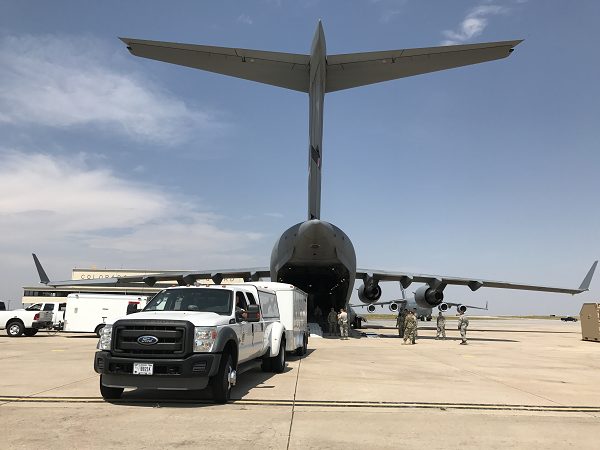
pixel 293 309
pixel 88 313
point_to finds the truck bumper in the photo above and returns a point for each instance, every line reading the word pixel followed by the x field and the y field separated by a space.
pixel 190 373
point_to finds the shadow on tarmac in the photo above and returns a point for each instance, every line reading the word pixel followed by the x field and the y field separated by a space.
pixel 432 338
pixel 254 378
pixel 383 327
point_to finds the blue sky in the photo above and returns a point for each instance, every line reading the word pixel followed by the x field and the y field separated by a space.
pixel 489 171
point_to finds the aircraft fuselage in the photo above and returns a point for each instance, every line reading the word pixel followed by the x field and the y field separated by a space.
pixel 319 258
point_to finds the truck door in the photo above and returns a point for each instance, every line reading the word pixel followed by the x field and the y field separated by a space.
pixel 258 330
pixel 245 330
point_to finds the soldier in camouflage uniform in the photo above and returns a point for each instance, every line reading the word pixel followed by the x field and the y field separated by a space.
pixel 343 322
pixel 463 323
pixel 332 321
pixel 400 322
pixel 410 327
pixel 441 326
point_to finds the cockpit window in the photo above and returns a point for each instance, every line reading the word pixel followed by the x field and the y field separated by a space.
pixel 203 300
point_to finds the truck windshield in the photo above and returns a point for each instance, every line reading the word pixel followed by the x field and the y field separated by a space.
pixel 206 300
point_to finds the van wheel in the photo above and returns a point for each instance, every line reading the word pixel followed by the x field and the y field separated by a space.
pixel 98 329
pixel 278 361
pixel 110 393
pixel 30 332
pixel 224 380
pixel 301 351
pixel 15 329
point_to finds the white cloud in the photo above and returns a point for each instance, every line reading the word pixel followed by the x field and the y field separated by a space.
pixel 389 14
pixel 64 82
pixel 473 24
pixel 245 18
pixel 88 212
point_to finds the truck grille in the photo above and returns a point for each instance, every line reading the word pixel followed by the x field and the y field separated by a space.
pixel 173 338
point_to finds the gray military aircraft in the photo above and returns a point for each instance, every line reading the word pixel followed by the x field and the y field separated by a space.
pixel 316 255
pixel 410 303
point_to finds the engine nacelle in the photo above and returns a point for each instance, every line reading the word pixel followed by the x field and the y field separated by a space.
pixel 370 292
pixel 428 297
pixel 461 308
pixel 393 306
pixel 371 308
pixel 443 307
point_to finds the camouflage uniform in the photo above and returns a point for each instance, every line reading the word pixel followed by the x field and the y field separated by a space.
pixel 410 328
pixel 400 321
pixel 463 323
pixel 332 321
pixel 343 322
pixel 441 326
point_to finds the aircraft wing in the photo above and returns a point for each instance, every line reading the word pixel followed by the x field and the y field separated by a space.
pixel 467 306
pixel 287 70
pixel 406 279
pixel 150 279
pixel 359 69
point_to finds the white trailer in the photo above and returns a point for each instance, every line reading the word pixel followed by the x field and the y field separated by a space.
pixel 293 313
pixel 88 313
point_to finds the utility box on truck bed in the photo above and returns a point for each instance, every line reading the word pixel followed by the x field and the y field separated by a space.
pixel 293 314
pixel 590 322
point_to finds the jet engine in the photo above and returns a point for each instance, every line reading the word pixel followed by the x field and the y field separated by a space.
pixel 371 308
pixel 443 307
pixel 428 297
pixel 369 292
pixel 461 308
pixel 393 306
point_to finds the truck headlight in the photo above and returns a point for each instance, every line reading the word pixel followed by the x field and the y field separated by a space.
pixel 105 338
pixel 204 339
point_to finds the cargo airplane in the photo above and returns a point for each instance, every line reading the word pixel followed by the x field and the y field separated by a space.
pixel 316 255
pixel 410 303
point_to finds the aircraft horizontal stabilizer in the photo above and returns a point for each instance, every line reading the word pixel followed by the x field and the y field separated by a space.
pixel 359 69
pixel 287 70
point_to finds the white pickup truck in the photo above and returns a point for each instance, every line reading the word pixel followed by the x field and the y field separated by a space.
pixel 26 322
pixel 190 338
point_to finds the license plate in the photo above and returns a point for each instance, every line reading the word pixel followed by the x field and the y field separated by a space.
pixel 143 368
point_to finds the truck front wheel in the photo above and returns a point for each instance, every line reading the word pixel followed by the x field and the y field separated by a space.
pixel 223 381
pixel 278 361
pixel 110 393
pixel 15 329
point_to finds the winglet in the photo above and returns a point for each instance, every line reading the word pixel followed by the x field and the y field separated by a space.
pixel 41 272
pixel 585 284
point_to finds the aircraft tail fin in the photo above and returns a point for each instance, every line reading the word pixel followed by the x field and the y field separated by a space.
pixel 41 272
pixel 360 69
pixel 585 284
pixel 287 70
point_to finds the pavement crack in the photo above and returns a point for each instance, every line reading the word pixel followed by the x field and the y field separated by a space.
pixel 294 404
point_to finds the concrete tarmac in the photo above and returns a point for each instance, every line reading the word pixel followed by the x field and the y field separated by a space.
pixel 520 383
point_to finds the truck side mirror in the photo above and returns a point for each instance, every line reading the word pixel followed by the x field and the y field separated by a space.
pixel 253 312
